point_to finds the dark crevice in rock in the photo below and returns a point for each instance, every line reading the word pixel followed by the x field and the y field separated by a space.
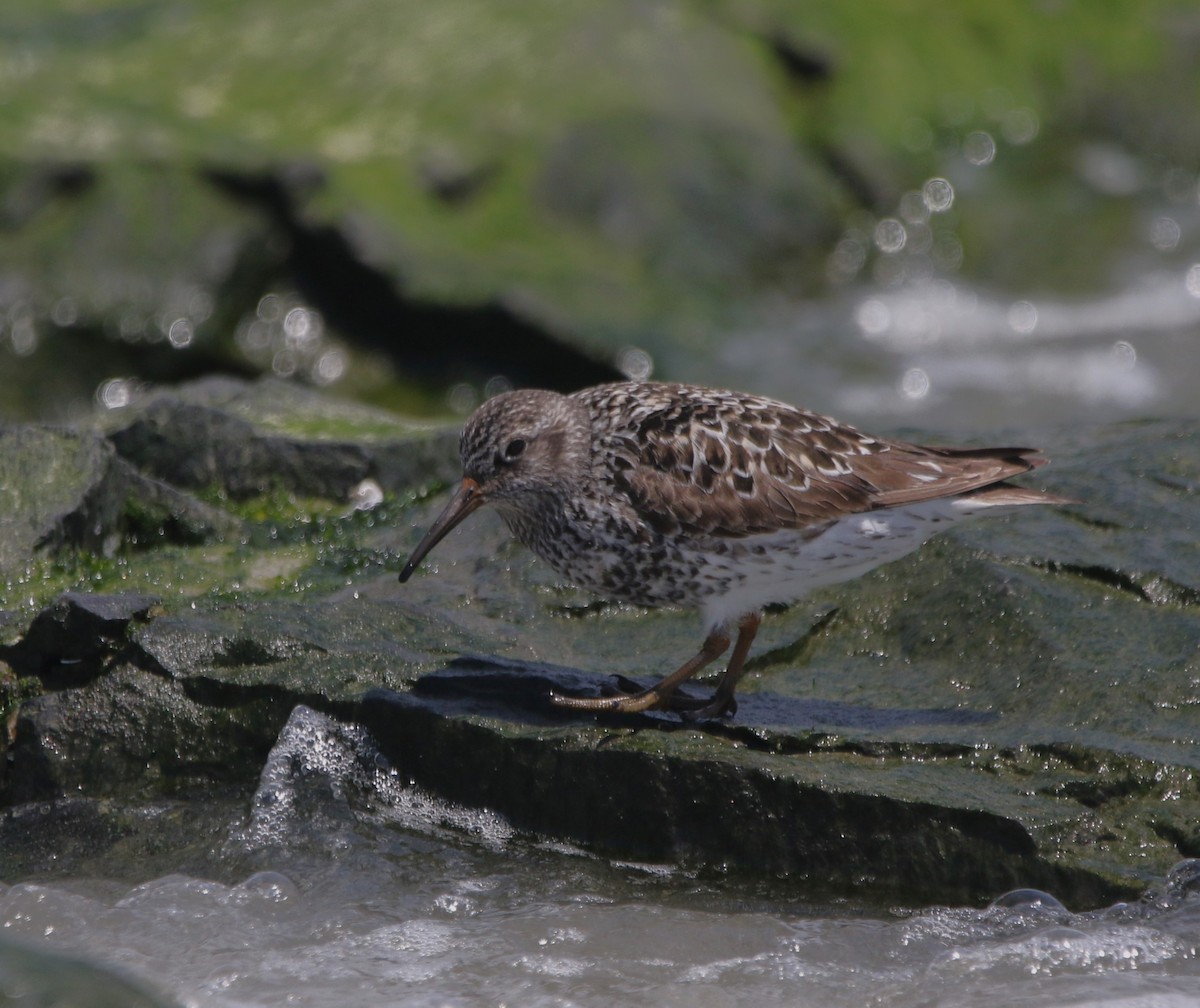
pixel 79 637
pixel 1091 521
pixel 806 743
pixel 438 342
pixel 40 186
pixel 218 694
pixel 1185 841
pixel 237 652
pixel 1152 588
pixel 803 66
pixel 1175 485
pixel 798 651
pixel 1095 794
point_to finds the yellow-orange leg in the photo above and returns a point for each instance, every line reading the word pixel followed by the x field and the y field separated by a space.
pixel 658 696
pixel 723 701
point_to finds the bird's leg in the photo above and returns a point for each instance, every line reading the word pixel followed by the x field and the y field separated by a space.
pixel 723 701
pixel 658 696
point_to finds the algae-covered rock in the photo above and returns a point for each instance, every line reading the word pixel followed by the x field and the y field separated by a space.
pixel 245 439
pixel 471 190
pixel 68 489
pixel 1011 706
pixel 51 482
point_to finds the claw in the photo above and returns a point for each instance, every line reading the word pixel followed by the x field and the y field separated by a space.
pixel 712 711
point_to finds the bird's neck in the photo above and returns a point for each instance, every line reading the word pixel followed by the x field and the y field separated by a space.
pixel 536 518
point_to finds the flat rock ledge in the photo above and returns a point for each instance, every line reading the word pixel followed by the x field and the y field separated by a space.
pixel 1013 707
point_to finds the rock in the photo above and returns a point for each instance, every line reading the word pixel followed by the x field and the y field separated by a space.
pixel 813 811
pixel 1009 708
pixel 245 439
pixel 54 492
pixel 135 733
pixel 704 201
pixel 78 634
pixel 581 182
pixel 67 489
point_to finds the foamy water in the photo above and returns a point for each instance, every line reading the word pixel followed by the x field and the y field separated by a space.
pixel 358 890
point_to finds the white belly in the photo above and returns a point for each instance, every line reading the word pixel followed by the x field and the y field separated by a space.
pixel 782 567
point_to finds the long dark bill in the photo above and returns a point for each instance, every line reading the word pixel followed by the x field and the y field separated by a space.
pixel 467 499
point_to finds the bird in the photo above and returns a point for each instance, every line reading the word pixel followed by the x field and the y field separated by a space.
pixel 674 495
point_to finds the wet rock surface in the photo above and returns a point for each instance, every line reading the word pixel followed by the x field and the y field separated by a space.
pixel 1013 706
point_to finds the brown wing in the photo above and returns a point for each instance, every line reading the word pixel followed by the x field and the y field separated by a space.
pixel 720 463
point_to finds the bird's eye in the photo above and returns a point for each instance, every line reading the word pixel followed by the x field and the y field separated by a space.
pixel 512 450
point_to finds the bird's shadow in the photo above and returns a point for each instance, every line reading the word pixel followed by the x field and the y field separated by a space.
pixel 520 691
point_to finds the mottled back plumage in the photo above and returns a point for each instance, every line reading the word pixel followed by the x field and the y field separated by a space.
pixel 664 494
pixel 701 461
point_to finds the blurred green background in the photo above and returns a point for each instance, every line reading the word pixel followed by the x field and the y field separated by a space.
pixel 951 212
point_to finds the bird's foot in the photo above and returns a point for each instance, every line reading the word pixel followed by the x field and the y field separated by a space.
pixel 687 705
pixel 624 696
pixel 616 703
pixel 713 710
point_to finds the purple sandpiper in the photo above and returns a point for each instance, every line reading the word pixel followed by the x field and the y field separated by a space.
pixel 676 495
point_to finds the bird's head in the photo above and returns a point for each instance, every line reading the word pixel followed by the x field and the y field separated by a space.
pixel 516 448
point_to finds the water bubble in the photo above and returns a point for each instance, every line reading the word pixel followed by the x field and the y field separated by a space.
pixel 1165 233
pixel 635 363
pixel 329 367
pixel 284 363
pixel 302 327
pixel 1125 354
pixel 1023 899
pixel 873 317
pixel 115 393
pixel 462 398
pixel 200 305
pixel 1192 280
pixel 1023 317
pixel 979 148
pixel 23 336
pixel 270 885
pixel 180 333
pixel 1019 126
pixel 890 236
pixel 846 259
pixel 270 307
pixel 65 312
pixel 914 384
pixel 496 385
pixel 938 195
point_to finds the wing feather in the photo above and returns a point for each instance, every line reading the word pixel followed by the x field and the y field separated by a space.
pixel 708 462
